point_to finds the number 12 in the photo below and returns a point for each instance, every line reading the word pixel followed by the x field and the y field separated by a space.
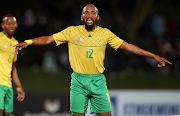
pixel 89 53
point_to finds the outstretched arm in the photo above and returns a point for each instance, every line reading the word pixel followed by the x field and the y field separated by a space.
pixel 20 91
pixel 43 40
pixel 136 50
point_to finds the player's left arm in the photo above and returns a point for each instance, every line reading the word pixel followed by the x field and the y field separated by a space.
pixel 20 91
pixel 138 51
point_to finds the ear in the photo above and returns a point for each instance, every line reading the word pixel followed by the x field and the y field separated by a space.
pixel 2 25
pixel 98 17
pixel 81 18
pixel 16 24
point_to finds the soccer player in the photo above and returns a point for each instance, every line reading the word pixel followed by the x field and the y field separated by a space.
pixel 8 71
pixel 87 44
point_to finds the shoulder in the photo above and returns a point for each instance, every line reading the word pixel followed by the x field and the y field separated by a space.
pixel 70 27
pixel 73 28
pixel 1 34
pixel 77 27
pixel 103 29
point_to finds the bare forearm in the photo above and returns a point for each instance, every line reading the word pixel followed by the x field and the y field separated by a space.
pixel 136 50
pixel 15 77
pixel 139 51
pixel 43 40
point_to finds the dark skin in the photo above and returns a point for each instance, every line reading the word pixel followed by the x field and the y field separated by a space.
pixel 9 26
pixel 89 17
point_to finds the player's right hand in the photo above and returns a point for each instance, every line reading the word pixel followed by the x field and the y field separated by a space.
pixel 20 46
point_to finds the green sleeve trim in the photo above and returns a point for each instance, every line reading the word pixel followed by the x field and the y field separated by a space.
pixel 112 39
pixel 64 35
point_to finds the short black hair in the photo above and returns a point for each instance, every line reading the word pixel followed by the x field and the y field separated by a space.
pixel 7 15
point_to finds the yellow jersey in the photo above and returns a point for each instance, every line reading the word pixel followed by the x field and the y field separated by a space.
pixel 87 48
pixel 7 57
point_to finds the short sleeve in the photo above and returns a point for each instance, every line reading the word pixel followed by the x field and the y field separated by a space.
pixel 15 55
pixel 15 58
pixel 62 37
pixel 114 41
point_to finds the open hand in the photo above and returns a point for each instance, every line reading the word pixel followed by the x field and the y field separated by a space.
pixel 20 46
pixel 21 94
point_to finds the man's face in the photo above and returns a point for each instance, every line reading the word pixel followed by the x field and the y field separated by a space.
pixel 9 25
pixel 90 15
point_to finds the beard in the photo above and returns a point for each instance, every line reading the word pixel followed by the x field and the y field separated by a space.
pixel 90 27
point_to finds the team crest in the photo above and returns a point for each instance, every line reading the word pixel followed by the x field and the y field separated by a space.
pixel 80 39
pixel 99 40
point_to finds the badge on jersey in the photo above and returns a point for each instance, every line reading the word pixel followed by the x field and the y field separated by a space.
pixel 5 46
pixel 99 40
pixel 80 39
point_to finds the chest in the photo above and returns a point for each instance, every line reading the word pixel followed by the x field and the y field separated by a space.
pixel 7 46
pixel 85 38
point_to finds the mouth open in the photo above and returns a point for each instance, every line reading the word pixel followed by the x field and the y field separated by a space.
pixel 11 30
pixel 89 20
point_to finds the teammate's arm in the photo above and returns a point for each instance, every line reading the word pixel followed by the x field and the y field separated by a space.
pixel 138 51
pixel 43 40
pixel 20 91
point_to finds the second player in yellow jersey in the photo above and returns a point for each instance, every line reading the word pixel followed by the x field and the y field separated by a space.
pixel 8 71
pixel 7 57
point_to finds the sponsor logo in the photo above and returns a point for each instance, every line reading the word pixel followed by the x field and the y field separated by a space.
pixel 80 39
pixel 113 105
pixel 151 109
pixel 52 106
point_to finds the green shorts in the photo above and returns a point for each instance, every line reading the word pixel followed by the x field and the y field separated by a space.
pixel 89 87
pixel 6 99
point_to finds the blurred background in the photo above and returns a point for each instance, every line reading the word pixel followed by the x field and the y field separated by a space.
pixel 153 25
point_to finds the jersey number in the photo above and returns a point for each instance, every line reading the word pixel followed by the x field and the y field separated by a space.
pixel 89 53
pixel 9 59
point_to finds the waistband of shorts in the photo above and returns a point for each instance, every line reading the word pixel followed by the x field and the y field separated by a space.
pixel 3 86
pixel 87 75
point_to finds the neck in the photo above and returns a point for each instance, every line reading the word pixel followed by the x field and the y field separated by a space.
pixel 8 35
